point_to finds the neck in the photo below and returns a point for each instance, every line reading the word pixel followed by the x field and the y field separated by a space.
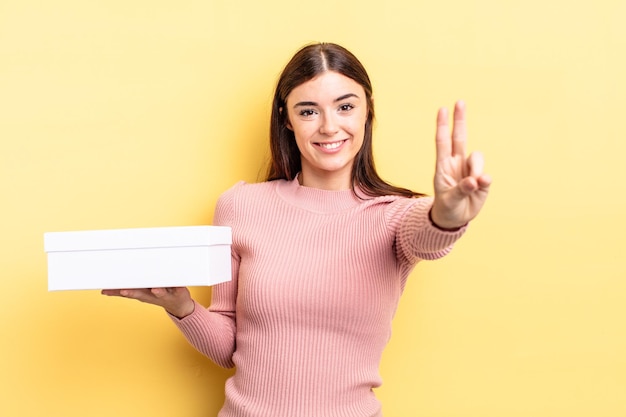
pixel 325 181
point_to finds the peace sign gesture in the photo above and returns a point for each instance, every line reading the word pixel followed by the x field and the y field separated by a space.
pixel 461 187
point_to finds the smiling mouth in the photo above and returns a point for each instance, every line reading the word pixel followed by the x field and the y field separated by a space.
pixel 330 145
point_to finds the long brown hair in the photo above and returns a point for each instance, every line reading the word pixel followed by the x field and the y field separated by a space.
pixel 305 65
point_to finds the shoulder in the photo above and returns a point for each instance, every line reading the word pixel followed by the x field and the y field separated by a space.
pixel 397 204
pixel 241 194
pixel 244 190
pixel 396 208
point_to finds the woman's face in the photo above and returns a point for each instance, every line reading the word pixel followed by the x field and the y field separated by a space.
pixel 327 115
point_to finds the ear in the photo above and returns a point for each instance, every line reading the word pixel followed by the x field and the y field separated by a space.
pixel 287 123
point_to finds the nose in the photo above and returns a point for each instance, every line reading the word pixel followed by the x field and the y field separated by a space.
pixel 329 126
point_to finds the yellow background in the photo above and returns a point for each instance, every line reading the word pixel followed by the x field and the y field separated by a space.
pixel 136 113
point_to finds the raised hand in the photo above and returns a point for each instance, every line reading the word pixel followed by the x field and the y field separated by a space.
pixel 461 187
pixel 177 300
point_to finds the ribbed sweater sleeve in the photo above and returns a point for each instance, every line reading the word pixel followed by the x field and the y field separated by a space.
pixel 417 238
pixel 212 331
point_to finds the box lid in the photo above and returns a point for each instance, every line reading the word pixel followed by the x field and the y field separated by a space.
pixel 155 237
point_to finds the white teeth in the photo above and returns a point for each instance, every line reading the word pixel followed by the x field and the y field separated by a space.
pixel 333 145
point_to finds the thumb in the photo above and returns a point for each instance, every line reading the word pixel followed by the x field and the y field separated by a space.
pixel 466 187
pixel 158 292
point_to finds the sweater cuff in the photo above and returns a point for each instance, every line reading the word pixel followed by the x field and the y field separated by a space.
pixel 187 318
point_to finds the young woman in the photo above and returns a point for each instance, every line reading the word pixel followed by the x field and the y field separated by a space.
pixel 322 249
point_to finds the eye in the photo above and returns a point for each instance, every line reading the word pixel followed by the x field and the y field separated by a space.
pixel 307 112
pixel 346 107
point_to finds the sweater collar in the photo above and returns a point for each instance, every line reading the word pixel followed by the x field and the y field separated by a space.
pixel 315 199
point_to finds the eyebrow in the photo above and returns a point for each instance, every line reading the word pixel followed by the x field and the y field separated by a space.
pixel 312 103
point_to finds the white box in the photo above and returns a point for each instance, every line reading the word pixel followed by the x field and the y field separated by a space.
pixel 138 258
